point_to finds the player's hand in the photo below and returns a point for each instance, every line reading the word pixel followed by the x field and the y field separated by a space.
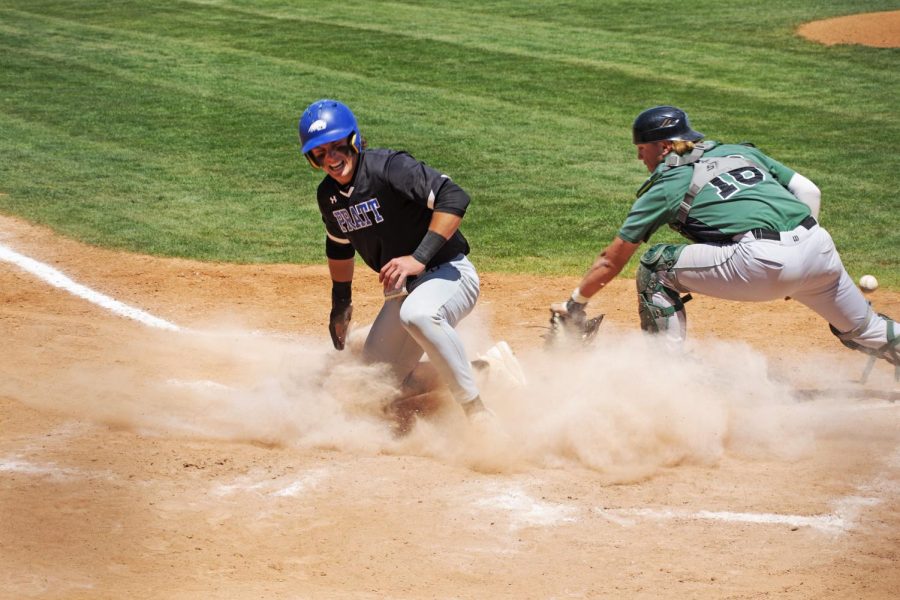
pixel 339 324
pixel 570 308
pixel 394 273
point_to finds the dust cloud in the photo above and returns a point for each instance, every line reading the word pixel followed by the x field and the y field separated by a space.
pixel 625 406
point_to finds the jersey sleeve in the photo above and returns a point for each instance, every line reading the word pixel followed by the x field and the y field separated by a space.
pixel 780 172
pixel 417 182
pixel 653 209
pixel 333 230
pixel 337 245
pixel 338 251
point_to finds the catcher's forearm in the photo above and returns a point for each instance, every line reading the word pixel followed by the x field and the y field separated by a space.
pixel 600 273
pixel 608 264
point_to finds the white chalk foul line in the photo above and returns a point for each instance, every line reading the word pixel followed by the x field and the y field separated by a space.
pixel 841 520
pixel 844 518
pixel 200 385
pixel 831 523
pixel 16 464
pixel 58 279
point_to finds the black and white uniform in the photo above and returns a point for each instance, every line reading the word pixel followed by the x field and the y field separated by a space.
pixel 382 214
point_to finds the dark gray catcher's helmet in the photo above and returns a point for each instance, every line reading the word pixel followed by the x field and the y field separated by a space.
pixel 663 123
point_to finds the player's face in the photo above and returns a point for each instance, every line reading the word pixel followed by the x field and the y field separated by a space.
pixel 338 159
pixel 652 153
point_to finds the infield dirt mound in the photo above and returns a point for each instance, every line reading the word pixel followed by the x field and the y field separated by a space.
pixel 878 29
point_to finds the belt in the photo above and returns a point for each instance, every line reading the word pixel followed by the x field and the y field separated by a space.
pixel 770 234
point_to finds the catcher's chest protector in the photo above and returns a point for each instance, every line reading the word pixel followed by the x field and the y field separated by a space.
pixel 705 170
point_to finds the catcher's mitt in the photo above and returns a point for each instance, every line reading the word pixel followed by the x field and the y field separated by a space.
pixel 572 328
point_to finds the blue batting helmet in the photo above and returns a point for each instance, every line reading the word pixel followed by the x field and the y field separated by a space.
pixel 327 121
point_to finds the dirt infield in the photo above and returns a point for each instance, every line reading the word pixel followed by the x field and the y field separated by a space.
pixel 237 456
pixel 878 29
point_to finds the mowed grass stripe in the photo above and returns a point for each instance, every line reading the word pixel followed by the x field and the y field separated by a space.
pixel 244 67
pixel 498 36
pixel 249 83
pixel 813 105
pixel 593 49
pixel 154 212
pixel 540 141
pixel 504 110
pixel 69 112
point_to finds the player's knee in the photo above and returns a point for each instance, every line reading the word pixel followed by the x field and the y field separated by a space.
pixel 416 318
pixel 657 309
pixel 656 302
pixel 648 312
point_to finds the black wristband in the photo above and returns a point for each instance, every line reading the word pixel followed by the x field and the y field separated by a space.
pixel 341 292
pixel 430 245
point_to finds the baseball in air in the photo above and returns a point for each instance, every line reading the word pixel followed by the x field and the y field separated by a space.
pixel 868 283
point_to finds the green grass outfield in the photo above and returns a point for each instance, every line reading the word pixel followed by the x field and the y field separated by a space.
pixel 169 128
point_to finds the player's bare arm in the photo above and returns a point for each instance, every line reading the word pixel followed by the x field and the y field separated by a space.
pixel 341 270
pixel 608 264
pixel 395 272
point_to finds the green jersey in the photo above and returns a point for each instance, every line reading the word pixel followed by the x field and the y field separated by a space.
pixel 744 198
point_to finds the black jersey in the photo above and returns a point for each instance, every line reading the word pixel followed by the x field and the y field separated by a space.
pixel 385 210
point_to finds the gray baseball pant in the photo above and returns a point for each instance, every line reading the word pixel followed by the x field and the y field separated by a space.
pixel 423 323
pixel 804 264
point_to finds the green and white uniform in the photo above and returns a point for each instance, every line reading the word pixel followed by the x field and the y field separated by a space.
pixel 748 197
pixel 754 241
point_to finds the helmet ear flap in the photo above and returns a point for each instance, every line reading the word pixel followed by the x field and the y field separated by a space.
pixel 354 141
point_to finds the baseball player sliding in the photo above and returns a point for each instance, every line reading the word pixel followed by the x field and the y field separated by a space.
pixel 753 221
pixel 403 218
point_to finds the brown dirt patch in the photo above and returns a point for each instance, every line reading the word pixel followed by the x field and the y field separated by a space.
pixel 756 468
pixel 878 29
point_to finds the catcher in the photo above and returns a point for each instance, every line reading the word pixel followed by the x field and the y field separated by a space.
pixel 756 238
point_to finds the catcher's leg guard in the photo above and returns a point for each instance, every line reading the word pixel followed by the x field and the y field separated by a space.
pixel 890 351
pixel 656 302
